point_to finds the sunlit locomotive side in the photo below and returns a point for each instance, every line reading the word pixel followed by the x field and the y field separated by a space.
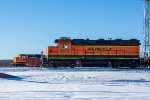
pixel 93 53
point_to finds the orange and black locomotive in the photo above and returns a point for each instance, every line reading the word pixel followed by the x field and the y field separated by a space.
pixel 94 53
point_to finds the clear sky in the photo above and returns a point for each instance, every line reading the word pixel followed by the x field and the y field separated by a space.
pixel 29 26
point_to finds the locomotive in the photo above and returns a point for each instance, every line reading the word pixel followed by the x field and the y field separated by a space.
pixel 29 60
pixel 88 53
pixel 94 53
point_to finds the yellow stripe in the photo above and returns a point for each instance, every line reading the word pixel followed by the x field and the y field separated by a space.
pixel 94 55
pixel 95 58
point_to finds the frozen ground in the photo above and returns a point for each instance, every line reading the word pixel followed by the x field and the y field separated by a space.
pixel 75 84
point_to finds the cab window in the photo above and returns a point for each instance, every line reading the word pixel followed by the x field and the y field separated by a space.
pixel 23 57
pixel 64 46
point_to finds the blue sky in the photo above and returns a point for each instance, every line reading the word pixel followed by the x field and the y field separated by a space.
pixel 29 26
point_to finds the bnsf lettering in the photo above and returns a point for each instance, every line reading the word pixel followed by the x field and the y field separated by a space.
pixel 64 51
pixel 99 49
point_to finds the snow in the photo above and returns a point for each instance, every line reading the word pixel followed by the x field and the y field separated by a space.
pixel 75 84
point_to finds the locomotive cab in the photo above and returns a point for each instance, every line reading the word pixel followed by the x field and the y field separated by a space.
pixel 56 54
pixel 64 46
pixel 20 60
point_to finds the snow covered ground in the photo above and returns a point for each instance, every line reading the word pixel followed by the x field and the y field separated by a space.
pixel 75 84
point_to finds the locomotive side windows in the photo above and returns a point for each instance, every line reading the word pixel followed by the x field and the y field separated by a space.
pixel 22 56
pixel 64 46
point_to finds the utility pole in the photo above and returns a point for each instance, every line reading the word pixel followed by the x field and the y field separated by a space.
pixel 146 29
pixel 42 58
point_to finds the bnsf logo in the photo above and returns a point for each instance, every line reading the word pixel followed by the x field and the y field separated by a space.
pixel 99 49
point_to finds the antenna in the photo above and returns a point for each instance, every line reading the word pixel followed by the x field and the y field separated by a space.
pixel 146 29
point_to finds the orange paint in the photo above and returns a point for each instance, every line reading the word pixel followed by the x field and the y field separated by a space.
pixel 92 50
pixel 19 60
